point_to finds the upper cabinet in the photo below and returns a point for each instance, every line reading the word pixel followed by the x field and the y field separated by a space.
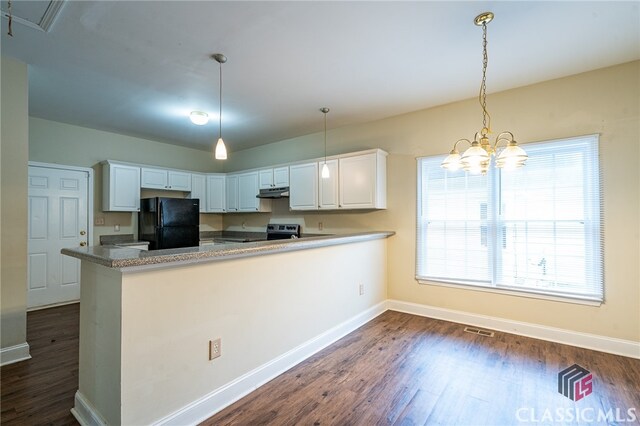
pixel 277 177
pixel 216 189
pixel 231 193
pixel 328 187
pixel 303 186
pixel 248 189
pixel 120 187
pixel 199 190
pixel 363 181
pixel 174 180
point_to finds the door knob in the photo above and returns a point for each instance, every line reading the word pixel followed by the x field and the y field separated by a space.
pixel 83 243
pixel 83 232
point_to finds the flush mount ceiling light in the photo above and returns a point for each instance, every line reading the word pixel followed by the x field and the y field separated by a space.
pixel 198 117
pixel 477 157
pixel 221 149
pixel 325 169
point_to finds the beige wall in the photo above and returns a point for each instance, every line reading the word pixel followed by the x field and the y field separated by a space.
pixel 60 143
pixel 603 101
pixel 13 201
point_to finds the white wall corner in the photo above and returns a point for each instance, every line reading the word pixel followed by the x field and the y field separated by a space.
pixel 595 342
pixel 14 353
pixel 226 395
pixel 85 413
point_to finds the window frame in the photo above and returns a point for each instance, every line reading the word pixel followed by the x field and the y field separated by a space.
pixel 594 249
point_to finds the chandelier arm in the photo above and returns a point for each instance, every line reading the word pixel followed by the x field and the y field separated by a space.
pixel 500 138
pixel 455 145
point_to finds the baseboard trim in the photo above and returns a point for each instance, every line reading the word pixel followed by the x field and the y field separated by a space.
pixel 53 305
pixel 595 342
pixel 85 413
pixel 224 396
pixel 13 354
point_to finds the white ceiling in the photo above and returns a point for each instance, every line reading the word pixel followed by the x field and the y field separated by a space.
pixel 139 68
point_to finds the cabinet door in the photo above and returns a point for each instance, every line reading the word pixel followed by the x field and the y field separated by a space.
pixel 281 176
pixel 303 186
pixel 328 187
pixel 216 193
pixel 154 178
pixel 265 178
pixel 232 193
pixel 198 190
pixel 121 188
pixel 179 181
pixel 247 191
pixel 357 176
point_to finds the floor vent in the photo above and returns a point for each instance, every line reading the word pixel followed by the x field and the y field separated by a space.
pixel 479 331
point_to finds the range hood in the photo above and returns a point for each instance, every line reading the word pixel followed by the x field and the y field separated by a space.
pixel 281 192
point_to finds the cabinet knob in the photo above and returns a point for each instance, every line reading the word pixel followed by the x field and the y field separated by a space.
pixel 83 243
pixel 82 232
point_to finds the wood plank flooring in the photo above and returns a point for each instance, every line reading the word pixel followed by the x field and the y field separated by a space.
pixel 40 391
pixel 398 369
pixel 401 369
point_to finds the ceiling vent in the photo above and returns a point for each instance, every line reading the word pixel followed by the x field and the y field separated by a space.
pixel 38 15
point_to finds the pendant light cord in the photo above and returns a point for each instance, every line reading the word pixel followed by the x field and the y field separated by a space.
pixel 325 138
pixel 220 109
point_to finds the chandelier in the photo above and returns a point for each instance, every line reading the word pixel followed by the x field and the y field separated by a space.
pixel 477 158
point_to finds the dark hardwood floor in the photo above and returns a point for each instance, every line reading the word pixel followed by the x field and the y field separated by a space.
pixel 40 391
pixel 406 370
pixel 397 369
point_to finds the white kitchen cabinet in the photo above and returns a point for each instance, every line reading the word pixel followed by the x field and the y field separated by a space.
pixel 303 186
pixel 277 177
pixel 120 187
pixel 232 193
pixel 216 189
pixel 199 190
pixel 281 176
pixel 174 180
pixel 363 181
pixel 328 187
pixel 248 188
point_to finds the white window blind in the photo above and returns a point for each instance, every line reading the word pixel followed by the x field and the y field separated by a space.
pixel 536 229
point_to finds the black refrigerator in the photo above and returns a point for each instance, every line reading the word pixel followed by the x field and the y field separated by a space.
pixel 169 222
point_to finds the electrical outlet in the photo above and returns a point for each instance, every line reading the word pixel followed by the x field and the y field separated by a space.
pixel 215 348
pixel 116 228
pixel 361 289
pixel 99 220
pixel 320 226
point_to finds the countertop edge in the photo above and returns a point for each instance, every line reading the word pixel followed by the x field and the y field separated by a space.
pixel 133 260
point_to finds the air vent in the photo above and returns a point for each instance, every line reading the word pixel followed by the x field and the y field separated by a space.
pixel 479 331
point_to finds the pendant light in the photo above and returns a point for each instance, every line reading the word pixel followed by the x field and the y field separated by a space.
pixel 477 157
pixel 221 149
pixel 325 169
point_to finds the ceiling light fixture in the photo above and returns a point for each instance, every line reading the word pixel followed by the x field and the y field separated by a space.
pixel 198 117
pixel 221 150
pixel 325 169
pixel 477 157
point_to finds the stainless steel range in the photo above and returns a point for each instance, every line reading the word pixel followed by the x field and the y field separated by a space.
pixel 282 232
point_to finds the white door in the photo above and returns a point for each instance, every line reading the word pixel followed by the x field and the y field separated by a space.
pixel 58 218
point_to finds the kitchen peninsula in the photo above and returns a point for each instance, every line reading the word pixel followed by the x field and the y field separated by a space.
pixel 147 319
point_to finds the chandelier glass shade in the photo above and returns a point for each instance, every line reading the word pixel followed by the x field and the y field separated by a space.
pixel 477 157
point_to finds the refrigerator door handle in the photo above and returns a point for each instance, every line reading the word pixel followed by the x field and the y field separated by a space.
pixel 161 221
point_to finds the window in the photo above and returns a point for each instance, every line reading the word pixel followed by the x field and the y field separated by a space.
pixel 536 229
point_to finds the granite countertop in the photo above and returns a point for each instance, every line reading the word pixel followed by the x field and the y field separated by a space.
pixel 128 259
pixel 121 240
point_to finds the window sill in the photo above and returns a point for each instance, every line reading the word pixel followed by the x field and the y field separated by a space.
pixel 510 292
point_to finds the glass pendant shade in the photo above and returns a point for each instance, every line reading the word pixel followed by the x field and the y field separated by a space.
pixel 474 156
pixel 512 157
pixel 325 171
pixel 452 162
pixel 221 150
